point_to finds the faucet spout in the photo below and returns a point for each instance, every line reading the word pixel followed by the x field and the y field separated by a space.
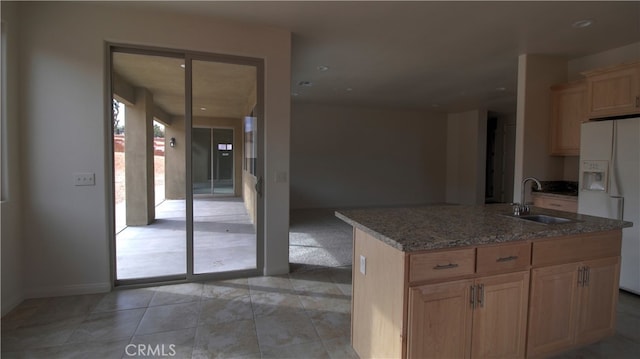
pixel 522 207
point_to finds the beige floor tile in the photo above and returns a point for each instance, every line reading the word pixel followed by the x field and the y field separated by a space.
pixel 100 349
pixel 331 302
pixel 60 308
pixel 226 289
pixel 125 299
pixel 179 343
pixel 108 325
pixel 229 340
pixel 216 311
pixel 22 314
pixel 331 325
pixel 177 293
pixel 340 348
pixel 169 317
pixel 271 284
pixel 311 350
pixel 269 303
pixel 285 329
pixel 40 335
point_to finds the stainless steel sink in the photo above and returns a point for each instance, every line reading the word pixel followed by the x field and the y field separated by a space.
pixel 543 218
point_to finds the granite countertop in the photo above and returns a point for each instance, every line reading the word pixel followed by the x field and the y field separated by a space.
pixel 412 229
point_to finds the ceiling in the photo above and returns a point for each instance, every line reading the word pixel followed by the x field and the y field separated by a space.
pixel 219 89
pixel 441 56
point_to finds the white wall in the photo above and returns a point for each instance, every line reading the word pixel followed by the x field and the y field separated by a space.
pixel 466 157
pixel 536 74
pixel 63 115
pixel 351 156
pixel 11 241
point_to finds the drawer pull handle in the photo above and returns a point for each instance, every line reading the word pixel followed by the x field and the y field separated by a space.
pixel 446 266
pixel 507 259
pixel 555 204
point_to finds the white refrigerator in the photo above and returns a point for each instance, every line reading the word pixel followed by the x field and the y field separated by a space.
pixel 609 185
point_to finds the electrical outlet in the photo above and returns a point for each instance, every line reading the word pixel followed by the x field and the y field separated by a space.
pixel 84 179
pixel 363 264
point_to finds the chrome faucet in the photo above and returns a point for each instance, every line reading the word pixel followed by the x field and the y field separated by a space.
pixel 522 207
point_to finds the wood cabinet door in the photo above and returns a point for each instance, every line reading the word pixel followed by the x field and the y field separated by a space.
pixel 568 106
pixel 598 299
pixel 440 320
pixel 500 316
pixel 553 308
pixel 614 92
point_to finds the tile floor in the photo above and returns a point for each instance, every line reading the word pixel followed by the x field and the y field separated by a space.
pixel 305 314
pixel 301 315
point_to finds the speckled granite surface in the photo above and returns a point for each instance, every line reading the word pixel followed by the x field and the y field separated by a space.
pixel 411 229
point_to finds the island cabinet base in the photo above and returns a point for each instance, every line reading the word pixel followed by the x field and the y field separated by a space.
pixel 511 300
pixel 378 305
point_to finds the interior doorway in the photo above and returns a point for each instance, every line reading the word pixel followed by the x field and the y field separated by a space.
pixel 181 208
pixel 213 161
pixel 500 158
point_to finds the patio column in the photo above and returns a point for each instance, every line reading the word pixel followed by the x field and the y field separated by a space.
pixel 139 176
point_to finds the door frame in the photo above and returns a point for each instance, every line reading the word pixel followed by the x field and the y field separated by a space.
pixel 188 56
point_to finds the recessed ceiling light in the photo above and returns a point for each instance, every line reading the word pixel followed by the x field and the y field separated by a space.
pixel 323 68
pixel 203 108
pixel 182 65
pixel 580 24
pixel 305 83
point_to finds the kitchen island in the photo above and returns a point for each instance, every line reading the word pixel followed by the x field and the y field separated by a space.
pixel 452 281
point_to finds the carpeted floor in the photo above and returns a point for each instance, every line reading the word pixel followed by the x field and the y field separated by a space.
pixel 317 238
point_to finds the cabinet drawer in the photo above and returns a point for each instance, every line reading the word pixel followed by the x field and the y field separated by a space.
pixel 576 248
pixel 439 265
pixel 504 258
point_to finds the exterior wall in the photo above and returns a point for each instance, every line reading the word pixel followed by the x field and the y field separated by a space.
pixel 236 125
pixel 466 157
pixel 139 174
pixel 175 156
pixel 11 238
pixel 62 64
pixel 174 160
pixel 350 156
pixel 249 195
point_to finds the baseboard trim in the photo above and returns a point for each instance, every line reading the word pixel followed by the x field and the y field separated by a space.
pixel 72 289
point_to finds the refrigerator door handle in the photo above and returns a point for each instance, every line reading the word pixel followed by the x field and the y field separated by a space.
pixel 620 206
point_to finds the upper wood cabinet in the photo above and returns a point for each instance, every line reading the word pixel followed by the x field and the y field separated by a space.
pixel 568 111
pixel 613 91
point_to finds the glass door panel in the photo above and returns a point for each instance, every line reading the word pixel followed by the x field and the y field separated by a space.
pixel 149 166
pixel 224 232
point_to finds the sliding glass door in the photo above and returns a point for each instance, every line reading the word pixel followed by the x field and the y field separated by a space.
pixel 185 203
pixel 224 233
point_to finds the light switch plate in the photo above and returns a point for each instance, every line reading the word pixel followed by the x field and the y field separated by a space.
pixel 84 179
pixel 363 264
